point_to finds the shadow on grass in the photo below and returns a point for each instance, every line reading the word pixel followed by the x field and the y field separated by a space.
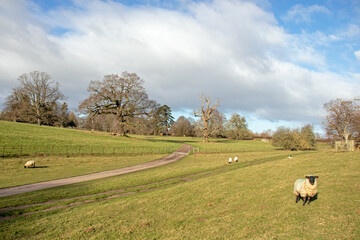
pixel 38 167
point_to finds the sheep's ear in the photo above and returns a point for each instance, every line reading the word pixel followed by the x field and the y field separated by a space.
pixel 316 176
pixel 306 176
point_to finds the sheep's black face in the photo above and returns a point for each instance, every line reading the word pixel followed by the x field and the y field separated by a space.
pixel 311 179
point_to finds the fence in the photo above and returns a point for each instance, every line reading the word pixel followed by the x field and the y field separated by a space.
pixel 29 150
pixel 343 146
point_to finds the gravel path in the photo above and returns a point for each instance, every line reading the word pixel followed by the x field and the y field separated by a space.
pixel 179 154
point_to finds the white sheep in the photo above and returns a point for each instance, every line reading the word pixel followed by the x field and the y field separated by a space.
pixel 29 164
pixel 290 157
pixel 236 159
pixel 305 188
pixel 230 160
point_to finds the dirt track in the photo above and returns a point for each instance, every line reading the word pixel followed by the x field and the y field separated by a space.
pixel 179 154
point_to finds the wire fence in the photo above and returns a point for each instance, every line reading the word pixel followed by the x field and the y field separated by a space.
pixel 33 150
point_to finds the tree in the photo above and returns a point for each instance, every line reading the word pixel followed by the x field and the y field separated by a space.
pixel 283 137
pixel 163 120
pixel 35 99
pixel 341 121
pixel 204 113
pixel 18 107
pixel 63 115
pixel 216 124
pixel 182 127
pixel 237 128
pixel 120 95
pixel 307 139
pixel 72 120
pixel 296 139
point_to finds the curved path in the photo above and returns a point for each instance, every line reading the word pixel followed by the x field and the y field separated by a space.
pixel 177 155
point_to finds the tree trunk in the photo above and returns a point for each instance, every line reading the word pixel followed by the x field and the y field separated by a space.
pixel 206 134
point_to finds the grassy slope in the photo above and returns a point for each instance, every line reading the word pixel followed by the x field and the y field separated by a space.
pixel 48 168
pixel 17 134
pixel 255 202
pixel 52 167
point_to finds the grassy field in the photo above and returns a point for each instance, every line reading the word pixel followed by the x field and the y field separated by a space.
pixel 48 168
pixel 198 197
pixel 218 145
pixel 21 139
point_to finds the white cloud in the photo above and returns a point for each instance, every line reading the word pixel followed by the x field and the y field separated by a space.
pixel 357 54
pixel 232 50
pixel 300 13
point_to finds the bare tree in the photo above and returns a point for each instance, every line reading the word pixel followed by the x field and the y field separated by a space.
pixel 39 93
pixel 341 119
pixel 182 127
pixel 121 95
pixel 205 112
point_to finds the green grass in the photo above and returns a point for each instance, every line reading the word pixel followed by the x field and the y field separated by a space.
pixel 193 164
pixel 26 139
pixel 241 201
pixel 198 197
pixel 219 145
pixel 13 173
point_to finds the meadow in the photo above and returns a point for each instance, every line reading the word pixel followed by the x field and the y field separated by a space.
pixel 198 197
pixel 21 139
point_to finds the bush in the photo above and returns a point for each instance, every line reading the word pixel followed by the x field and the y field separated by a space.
pixel 303 139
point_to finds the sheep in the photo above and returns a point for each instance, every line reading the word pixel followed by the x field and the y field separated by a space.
pixel 236 159
pixel 29 164
pixel 305 188
pixel 290 157
pixel 230 160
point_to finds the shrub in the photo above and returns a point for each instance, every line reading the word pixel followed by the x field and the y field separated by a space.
pixel 296 139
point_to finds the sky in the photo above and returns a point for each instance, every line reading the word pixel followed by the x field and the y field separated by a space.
pixel 276 62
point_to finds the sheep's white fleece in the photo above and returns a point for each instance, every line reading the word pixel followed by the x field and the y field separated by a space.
pixel 304 188
pixel 30 164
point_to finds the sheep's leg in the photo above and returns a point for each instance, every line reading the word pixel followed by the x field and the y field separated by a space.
pixel 308 200
pixel 297 198
pixel 304 199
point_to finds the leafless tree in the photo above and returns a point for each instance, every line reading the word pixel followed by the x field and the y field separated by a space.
pixel 182 127
pixel 121 95
pixel 205 112
pixel 35 100
pixel 341 119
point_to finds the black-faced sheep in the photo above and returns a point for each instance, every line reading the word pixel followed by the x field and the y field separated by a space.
pixel 230 160
pixel 29 164
pixel 305 188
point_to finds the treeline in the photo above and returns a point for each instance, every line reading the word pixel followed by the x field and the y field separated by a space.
pixel 119 104
pixel 38 100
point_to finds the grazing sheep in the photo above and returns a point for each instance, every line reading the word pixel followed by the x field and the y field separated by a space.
pixel 290 157
pixel 29 164
pixel 305 188
pixel 236 159
pixel 230 160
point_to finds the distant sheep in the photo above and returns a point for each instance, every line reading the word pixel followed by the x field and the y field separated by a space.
pixel 236 159
pixel 29 164
pixel 290 157
pixel 230 160
pixel 305 188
